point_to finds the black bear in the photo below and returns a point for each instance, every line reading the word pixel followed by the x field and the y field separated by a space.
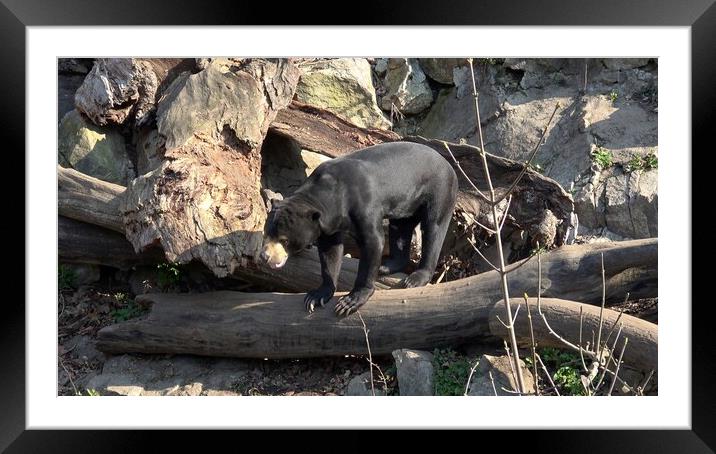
pixel 405 182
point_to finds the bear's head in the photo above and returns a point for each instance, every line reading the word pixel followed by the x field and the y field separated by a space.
pixel 291 227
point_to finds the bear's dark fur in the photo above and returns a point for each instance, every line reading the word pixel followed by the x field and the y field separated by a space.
pixel 405 182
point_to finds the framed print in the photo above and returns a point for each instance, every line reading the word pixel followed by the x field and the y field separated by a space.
pixel 197 161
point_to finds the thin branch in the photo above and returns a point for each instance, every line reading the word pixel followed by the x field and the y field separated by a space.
pixel 534 346
pixel 581 352
pixel 512 364
pixel 619 363
pixel 481 255
pixel 77 393
pixel 504 213
pixel 606 366
pixel 600 350
pixel 370 355
pixel 498 236
pixel 524 261
pixel 469 378
pixel 549 377
pixel 529 160
pixel 640 389
pixel 492 380
pixel 459 167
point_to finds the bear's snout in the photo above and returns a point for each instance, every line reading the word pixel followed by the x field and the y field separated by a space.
pixel 274 254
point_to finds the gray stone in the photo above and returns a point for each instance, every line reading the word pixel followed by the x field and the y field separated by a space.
pixel 406 87
pixel 67 85
pixel 150 151
pixel 83 273
pixel 93 150
pixel 441 69
pixel 343 86
pixel 381 66
pixel 360 386
pixel 501 370
pixel 285 166
pixel 625 63
pixel 631 204
pixel 83 347
pixel 415 372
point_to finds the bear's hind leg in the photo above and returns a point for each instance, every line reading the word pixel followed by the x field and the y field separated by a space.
pixel 400 234
pixel 433 237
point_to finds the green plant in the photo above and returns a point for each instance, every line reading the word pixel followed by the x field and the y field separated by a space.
pixel 451 372
pixel 650 161
pixel 567 378
pixel 130 310
pixel 92 392
pixel 168 275
pixel 613 95
pixel 602 157
pixel 66 277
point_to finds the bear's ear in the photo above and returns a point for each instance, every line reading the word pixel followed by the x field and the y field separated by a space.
pixel 315 215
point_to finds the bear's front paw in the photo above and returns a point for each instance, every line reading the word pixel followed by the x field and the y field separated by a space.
pixel 417 279
pixel 320 296
pixel 347 304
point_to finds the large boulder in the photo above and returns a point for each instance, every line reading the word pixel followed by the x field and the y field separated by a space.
pixel 93 150
pixel 500 369
pixel 406 88
pixel 118 89
pixel 441 69
pixel 343 86
pixel 415 372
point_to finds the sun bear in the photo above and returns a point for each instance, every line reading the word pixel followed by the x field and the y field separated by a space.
pixel 405 182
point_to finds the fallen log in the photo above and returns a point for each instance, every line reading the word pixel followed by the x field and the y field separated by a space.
pixel 88 199
pixel 563 317
pixel 321 131
pixel 274 325
pixel 79 242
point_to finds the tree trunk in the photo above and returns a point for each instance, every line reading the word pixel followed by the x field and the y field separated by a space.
pixel 563 317
pixel 79 242
pixel 275 325
pixel 88 199
pixel 321 131
pixel 204 201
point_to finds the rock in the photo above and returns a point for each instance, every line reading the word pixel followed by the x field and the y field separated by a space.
pixel 631 201
pixel 117 89
pixel 343 86
pixel 452 116
pixel 285 166
pixel 129 375
pixel 406 87
pixel 502 374
pixel 415 372
pixel 441 69
pixel 83 347
pixel 150 151
pixel 83 273
pixel 381 66
pixel 67 85
pixel 360 386
pixel 74 65
pixel 625 63
pixel 143 279
pixel 93 150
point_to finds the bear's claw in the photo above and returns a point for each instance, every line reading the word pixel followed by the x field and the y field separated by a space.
pixel 348 304
pixel 319 296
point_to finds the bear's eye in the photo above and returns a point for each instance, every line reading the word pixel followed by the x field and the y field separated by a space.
pixel 283 241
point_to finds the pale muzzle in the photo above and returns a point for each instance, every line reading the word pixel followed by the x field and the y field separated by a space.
pixel 274 254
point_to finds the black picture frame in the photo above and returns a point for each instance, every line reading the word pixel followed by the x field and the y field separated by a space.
pixel 16 15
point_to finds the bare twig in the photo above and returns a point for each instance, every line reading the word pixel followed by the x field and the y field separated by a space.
pixel 549 377
pixel 469 378
pixel 529 160
pixel 512 363
pixel 534 346
pixel 370 355
pixel 504 213
pixel 640 389
pixel 498 236
pixel 69 375
pixel 492 380
pixel 481 255
pixel 619 363
pixel 606 366
pixel 581 350
pixel 459 167
pixel 600 350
